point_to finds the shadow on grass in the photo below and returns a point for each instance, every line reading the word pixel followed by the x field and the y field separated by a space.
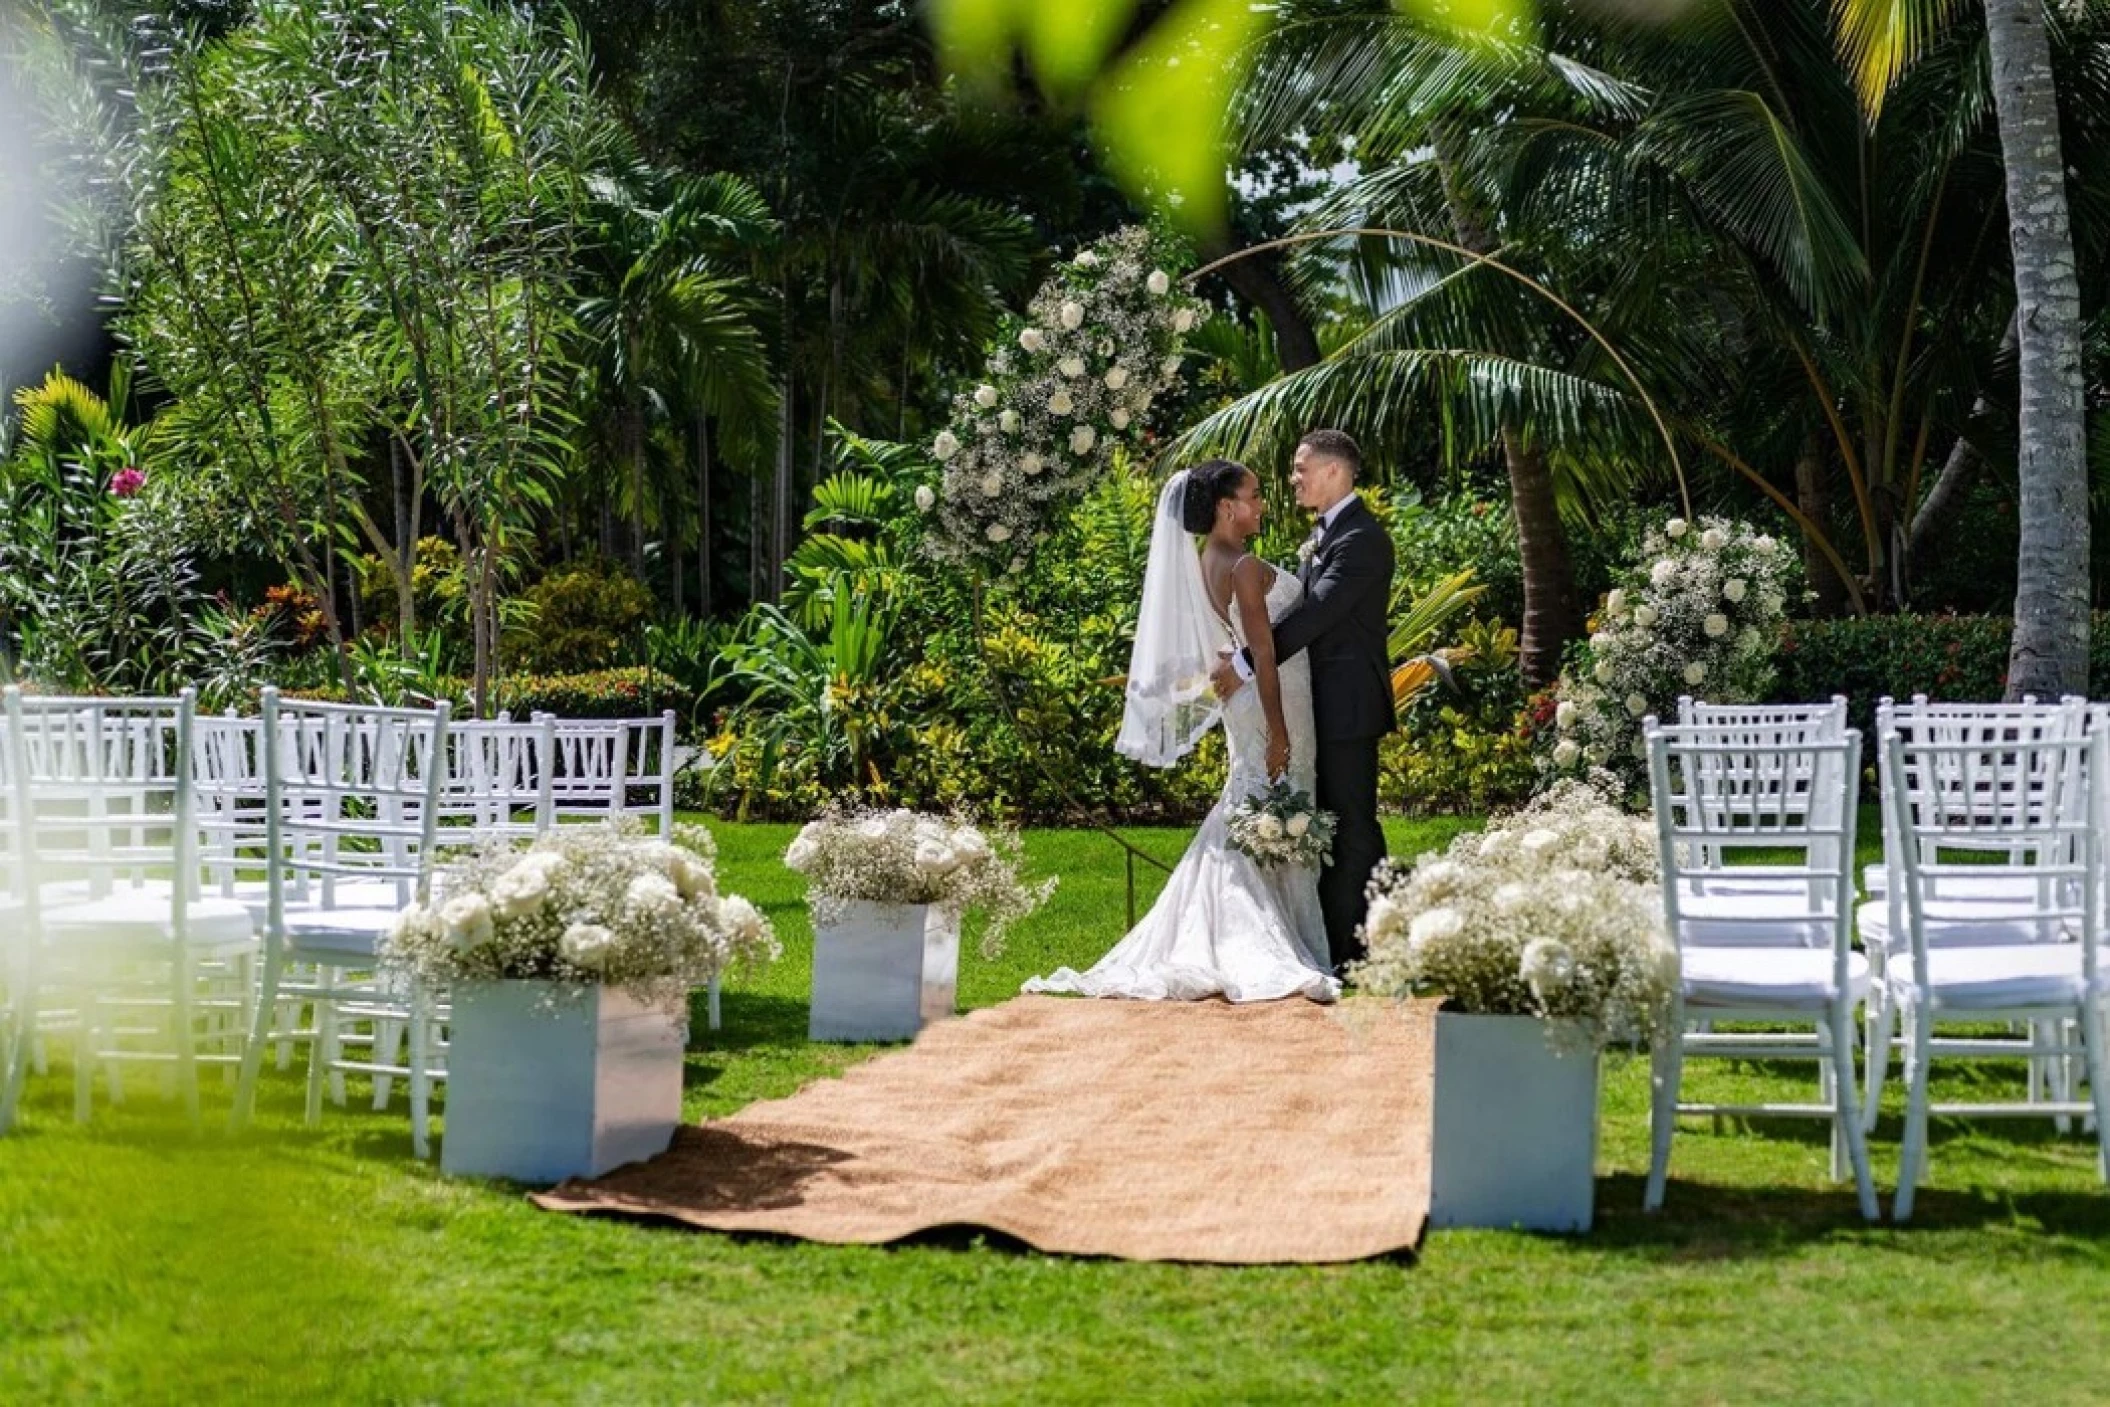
pixel 749 1021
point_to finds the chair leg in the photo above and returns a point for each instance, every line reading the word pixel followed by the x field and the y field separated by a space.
pixel 14 1062
pixel 185 1021
pixel 1882 1021
pixel 711 1001
pixel 90 1025
pixel 1829 1080
pixel 1668 1064
pixel 267 1006
pixel 2098 1095
pixel 1912 1157
pixel 1846 1118
pixel 420 1071
pixel 322 1049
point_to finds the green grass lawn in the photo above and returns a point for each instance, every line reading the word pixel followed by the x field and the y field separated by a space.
pixel 140 1263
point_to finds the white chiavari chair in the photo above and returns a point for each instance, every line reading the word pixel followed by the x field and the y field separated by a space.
pixel 2038 805
pixel 1782 957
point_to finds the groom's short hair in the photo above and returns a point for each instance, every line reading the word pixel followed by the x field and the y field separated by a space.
pixel 1335 444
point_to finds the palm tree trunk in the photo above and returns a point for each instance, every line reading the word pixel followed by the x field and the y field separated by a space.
pixel 1551 614
pixel 1813 497
pixel 703 515
pixel 2049 656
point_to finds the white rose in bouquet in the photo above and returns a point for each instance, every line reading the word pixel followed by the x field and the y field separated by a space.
pixel 1695 673
pixel 467 920
pixel 970 844
pixel 1664 572
pixel 1118 419
pixel 1714 539
pixel 1733 589
pixel 1116 377
pixel 1072 367
pixel 586 945
pixel 1602 671
pixel 1183 321
pixel 1159 283
pixel 992 484
pixel 925 498
pixel 1716 625
pixel 997 532
pixel 1061 403
pixel 1270 828
pixel 946 445
pixel 1547 966
pixel 985 397
pixel 1082 439
pixel 1009 422
pixel 1297 825
pixel 1029 464
pixel 1565 713
pixel 1676 528
pixel 1636 705
pixel 1073 315
pixel 651 894
pixel 1434 926
pixel 1031 339
pixel 1386 918
pixel 1086 259
pixel 936 858
pixel 1565 752
pixel 1764 546
pixel 1645 616
pixel 1615 601
pixel 520 891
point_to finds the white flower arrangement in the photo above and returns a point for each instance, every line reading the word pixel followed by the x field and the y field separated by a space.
pixel 589 905
pixel 903 857
pixel 1282 826
pixel 1698 613
pixel 1554 913
pixel 1056 401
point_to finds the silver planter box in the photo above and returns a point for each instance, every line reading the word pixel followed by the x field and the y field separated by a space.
pixel 1515 1127
pixel 545 1083
pixel 883 972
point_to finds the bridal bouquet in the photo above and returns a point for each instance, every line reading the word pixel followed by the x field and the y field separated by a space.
pixel 902 857
pixel 1554 912
pixel 583 906
pixel 1282 826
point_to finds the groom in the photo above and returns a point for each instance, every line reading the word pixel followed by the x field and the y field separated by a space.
pixel 1347 576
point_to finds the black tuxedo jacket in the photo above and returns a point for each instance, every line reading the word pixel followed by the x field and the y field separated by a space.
pixel 1342 622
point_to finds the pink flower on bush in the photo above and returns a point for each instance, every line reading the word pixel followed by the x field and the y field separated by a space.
pixel 128 481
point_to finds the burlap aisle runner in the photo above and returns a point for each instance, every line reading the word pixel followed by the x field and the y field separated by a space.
pixel 1191 1131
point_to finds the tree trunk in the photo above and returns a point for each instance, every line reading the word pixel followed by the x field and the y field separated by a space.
pixel 634 451
pixel 1552 615
pixel 2049 656
pixel 1960 470
pixel 1258 281
pixel 1813 497
pixel 703 515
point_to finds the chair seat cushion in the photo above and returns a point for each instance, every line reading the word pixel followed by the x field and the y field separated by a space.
pixel 1770 919
pixel 1960 923
pixel 147 916
pixel 2000 978
pixel 1787 979
pixel 313 932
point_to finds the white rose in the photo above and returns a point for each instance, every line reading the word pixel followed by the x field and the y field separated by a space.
pixel 1734 589
pixel 1031 339
pixel 1183 320
pixel 1636 705
pixel 971 844
pixel 1116 377
pixel 1773 603
pixel 1602 672
pixel 1060 403
pixel 1714 539
pixel 1615 601
pixel 1664 572
pixel 1565 752
pixel 985 397
pixel 651 893
pixel 1297 825
pixel 1435 926
pixel 1082 439
pixel 1158 283
pixel 1270 828
pixel 936 859
pixel 1029 465
pixel 1512 896
pixel 1439 877
pixel 467 920
pixel 1071 366
pixel 586 945
pixel 1564 715
pixel 1119 419
pixel 925 498
pixel 1086 259
pixel 1537 841
pixel 874 827
pixel 1073 315
pixel 1675 528
pixel 1546 965
pixel 742 921
pixel 1008 422
pixel 1493 844
pixel 1385 919
pixel 1695 673
pixel 1601 639
pixel 997 532
pixel 992 483
pixel 946 445
pixel 1764 546
pixel 1751 641
pixel 800 857
pixel 1716 625
pixel 1645 615
pixel 519 892
pixel 694 878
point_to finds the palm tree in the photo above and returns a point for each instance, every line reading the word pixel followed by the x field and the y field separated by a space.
pixel 2049 656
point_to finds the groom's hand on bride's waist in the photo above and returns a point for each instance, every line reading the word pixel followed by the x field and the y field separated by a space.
pixel 1226 678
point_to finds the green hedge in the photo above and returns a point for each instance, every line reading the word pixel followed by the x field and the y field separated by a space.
pixel 1943 657
pixel 635 691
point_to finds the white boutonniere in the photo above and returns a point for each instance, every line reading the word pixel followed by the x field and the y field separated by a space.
pixel 1307 550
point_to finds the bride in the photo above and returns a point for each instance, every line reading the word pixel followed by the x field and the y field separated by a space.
pixel 1224 926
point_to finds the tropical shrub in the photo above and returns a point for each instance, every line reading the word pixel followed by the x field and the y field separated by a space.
pixel 1468 748
pixel 586 615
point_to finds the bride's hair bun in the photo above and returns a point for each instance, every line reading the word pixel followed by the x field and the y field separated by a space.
pixel 1208 484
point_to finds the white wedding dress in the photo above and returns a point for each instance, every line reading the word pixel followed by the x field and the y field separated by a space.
pixel 1225 926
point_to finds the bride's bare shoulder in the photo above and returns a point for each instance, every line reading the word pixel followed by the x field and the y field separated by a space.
pixel 1253 573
